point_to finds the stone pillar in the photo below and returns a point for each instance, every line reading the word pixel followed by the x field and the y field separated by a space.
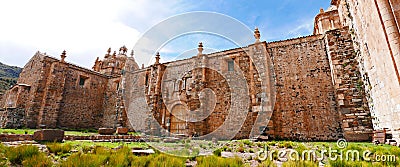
pixel 391 31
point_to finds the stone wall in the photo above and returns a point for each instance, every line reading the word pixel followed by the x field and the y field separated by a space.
pixel 81 105
pixel 305 107
pixel 349 86
pixel 375 31
pixel 54 94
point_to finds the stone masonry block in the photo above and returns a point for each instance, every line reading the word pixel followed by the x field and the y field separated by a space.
pixel 50 135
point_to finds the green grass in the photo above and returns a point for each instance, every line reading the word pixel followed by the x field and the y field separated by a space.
pixel 79 133
pixel 58 148
pixel 17 131
pixel 27 155
pixel 31 131
pixel 218 161
pixel 88 153
pixel 107 144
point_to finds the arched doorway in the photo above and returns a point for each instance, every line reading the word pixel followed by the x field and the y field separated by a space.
pixel 179 124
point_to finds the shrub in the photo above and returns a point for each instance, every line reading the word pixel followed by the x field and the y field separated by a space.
pixel 17 154
pixel 247 142
pixel 267 163
pixel 85 160
pixel 217 152
pixel 120 158
pixel 165 160
pixel 58 148
pixel 218 161
pixel 141 161
pixel 39 160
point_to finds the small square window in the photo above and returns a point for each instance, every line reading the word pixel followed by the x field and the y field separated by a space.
pixel 230 65
pixel 82 80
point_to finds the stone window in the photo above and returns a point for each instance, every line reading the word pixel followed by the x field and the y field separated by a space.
pixel 146 80
pixel 231 65
pixel 117 84
pixel 82 80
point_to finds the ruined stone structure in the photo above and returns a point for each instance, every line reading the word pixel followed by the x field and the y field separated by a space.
pixel 340 82
pixel 52 93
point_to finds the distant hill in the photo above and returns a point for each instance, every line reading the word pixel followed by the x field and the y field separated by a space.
pixel 8 76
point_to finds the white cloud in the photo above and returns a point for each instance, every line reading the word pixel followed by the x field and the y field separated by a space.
pixel 304 28
pixel 84 28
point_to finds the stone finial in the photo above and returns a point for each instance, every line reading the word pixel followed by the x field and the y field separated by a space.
pixel 200 48
pixel 321 10
pixel 108 53
pixel 114 54
pixel 96 65
pixel 63 56
pixel 132 53
pixel 257 34
pixel 123 50
pixel 142 66
pixel 157 58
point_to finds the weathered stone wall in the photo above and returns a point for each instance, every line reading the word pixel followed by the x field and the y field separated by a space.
pixel 375 31
pixel 305 106
pixel 82 105
pixel 111 110
pixel 51 93
pixel 349 86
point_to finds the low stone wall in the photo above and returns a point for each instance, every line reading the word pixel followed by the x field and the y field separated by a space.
pixel 15 137
pixel 104 137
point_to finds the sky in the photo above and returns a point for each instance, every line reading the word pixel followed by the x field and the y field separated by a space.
pixel 86 29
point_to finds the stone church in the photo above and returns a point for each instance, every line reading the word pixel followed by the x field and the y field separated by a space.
pixel 341 82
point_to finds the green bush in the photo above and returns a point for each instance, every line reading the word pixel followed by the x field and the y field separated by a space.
pixel 85 160
pixel 165 160
pixel 247 142
pixel 58 148
pixel 120 158
pixel 267 163
pixel 141 161
pixel 17 154
pixel 39 160
pixel 217 152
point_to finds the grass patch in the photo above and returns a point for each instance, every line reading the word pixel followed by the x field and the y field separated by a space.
pixel 17 131
pixel 80 144
pixel 27 155
pixel 218 161
pixel 59 148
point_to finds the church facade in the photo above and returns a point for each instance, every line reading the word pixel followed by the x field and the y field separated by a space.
pixel 340 82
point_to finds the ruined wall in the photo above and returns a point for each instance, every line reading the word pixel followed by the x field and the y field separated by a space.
pixel 374 28
pixel 305 107
pixel 82 104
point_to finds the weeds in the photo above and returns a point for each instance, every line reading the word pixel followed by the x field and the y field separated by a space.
pixel 58 148
pixel 218 161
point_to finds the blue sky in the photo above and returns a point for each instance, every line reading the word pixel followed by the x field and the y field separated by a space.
pixel 85 29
